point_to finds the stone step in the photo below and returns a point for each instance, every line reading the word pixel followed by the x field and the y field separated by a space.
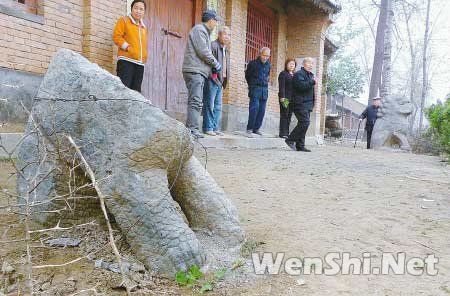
pixel 240 140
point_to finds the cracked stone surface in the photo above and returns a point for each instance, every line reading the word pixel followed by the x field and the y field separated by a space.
pixel 141 158
pixel 391 128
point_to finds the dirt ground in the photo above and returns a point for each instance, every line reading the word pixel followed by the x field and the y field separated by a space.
pixel 335 199
pixel 340 199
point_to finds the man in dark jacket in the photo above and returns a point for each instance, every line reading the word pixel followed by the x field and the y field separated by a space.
pixel 371 114
pixel 257 76
pixel 302 104
pixel 197 66
pixel 212 98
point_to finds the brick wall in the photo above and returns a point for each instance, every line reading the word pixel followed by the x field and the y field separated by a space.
pixel 306 37
pixel 237 90
pixel 84 26
pixel 236 18
pixel 300 38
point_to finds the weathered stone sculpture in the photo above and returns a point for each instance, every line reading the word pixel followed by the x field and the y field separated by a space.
pixel 391 128
pixel 142 160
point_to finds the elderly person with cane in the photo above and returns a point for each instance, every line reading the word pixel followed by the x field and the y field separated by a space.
pixel 370 114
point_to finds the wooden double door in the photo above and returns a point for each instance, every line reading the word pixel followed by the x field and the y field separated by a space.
pixel 169 23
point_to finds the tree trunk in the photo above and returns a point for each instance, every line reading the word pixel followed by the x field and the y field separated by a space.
pixel 407 11
pixel 375 80
pixel 385 89
pixel 424 67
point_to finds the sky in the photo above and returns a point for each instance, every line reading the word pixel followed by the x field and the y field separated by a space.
pixel 439 46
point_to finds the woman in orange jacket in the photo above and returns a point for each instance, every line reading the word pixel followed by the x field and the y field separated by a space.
pixel 130 35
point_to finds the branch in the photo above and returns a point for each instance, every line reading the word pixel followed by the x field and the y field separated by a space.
pixel 105 213
pixel 57 228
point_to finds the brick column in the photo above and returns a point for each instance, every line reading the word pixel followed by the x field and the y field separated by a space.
pixel 235 99
pixel 306 38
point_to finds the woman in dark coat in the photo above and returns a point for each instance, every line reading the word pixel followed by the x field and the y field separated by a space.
pixel 285 93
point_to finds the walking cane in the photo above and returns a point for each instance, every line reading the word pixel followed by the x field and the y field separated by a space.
pixel 357 133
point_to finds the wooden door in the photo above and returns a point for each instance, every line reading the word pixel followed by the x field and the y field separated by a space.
pixel 180 23
pixel 154 85
pixel 169 24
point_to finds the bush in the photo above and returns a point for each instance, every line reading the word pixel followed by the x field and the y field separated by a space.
pixel 439 117
pixel 426 143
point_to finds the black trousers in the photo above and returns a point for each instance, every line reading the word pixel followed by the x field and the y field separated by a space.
pixel 285 120
pixel 369 130
pixel 131 74
pixel 299 132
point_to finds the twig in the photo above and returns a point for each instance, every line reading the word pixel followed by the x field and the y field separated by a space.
pixel 427 180
pixel 94 289
pixel 105 213
pixel 422 244
pixel 57 228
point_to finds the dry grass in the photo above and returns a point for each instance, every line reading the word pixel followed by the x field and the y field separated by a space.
pixel 12 128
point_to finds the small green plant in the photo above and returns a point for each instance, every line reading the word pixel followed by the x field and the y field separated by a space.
pixel 195 279
pixel 445 289
pixel 439 117
pixel 249 247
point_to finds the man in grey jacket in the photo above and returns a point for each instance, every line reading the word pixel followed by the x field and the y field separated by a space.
pixel 212 94
pixel 197 66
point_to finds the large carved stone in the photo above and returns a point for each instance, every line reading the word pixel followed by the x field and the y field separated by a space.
pixel 391 128
pixel 141 158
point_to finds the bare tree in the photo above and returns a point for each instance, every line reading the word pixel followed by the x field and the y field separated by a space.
pixel 375 80
pixel 385 89
pixel 424 66
pixel 408 9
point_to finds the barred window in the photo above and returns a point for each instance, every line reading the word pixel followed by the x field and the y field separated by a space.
pixel 260 29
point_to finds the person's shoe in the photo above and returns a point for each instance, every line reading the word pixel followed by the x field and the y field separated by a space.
pixel 290 144
pixel 210 133
pixel 219 133
pixel 197 135
pixel 284 137
pixel 257 132
pixel 303 149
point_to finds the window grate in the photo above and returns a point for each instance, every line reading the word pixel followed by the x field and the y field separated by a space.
pixel 260 29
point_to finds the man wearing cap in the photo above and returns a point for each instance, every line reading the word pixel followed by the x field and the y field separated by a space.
pixel 371 114
pixel 198 64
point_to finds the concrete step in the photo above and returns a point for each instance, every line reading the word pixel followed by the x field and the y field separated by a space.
pixel 243 141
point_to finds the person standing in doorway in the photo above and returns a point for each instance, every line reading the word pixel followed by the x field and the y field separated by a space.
pixel 285 96
pixel 302 104
pixel 370 113
pixel 130 35
pixel 217 82
pixel 257 76
pixel 198 65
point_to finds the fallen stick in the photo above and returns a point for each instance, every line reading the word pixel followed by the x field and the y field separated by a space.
pixel 426 246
